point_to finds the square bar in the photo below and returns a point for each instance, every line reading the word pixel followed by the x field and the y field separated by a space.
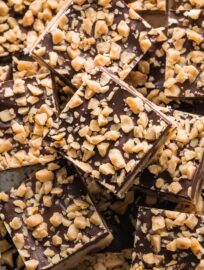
pixel 52 220
pixel 168 240
pixel 109 131
pixel 185 56
pixel 94 33
pixel 176 171
pixel 28 110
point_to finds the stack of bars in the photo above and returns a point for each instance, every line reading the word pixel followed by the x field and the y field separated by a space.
pixel 101 113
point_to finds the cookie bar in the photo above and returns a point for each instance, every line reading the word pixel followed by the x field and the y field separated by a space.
pixel 24 66
pixel 186 4
pixel 185 56
pixel 52 220
pixel 107 261
pixel 147 5
pixel 177 168
pixel 21 22
pixel 148 76
pixel 27 111
pixel 104 33
pixel 168 240
pixel 109 131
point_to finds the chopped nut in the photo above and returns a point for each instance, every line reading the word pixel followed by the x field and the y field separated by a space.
pixel 135 104
pixel 34 220
pixel 87 26
pixel 20 192
pixel 127 124
pixel 16 223
pixel 57 36
pixel 75 101
pixel 18 240
pixel 40 231
pixel 41 119
pixel 117 158
pixel 95 219
pixel 44 175
pixel 196 248
pixel 56 219
pixel 3 9
pixel 158 223
pixel 34 90
pixel 104 3
pixel 106 169
pixel 5 146
pixel 123 29
pixel 56 240
pixel 80 222
pixel 175 187
pixel 47 201
pixel 72 232
pixel 31 264
pixel 78 63
pixel 156 242
pixel 100 29
pixel 191 221
pixel 7 115
pixel 115 51
pixel 149 258
pixel 4 197
pixel 183 243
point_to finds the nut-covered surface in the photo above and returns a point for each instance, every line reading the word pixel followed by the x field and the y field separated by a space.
pixel 177 167
pixel 94 33
pixel 120 214
pixel 24 66
pixel 52 219
pixel 185 56
pixel 21 22
pixel 147 5
pixel 148 76
pixel 168 240
pixel 107 261
pixel 27 111
pixel 109 131
pixel 186 4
